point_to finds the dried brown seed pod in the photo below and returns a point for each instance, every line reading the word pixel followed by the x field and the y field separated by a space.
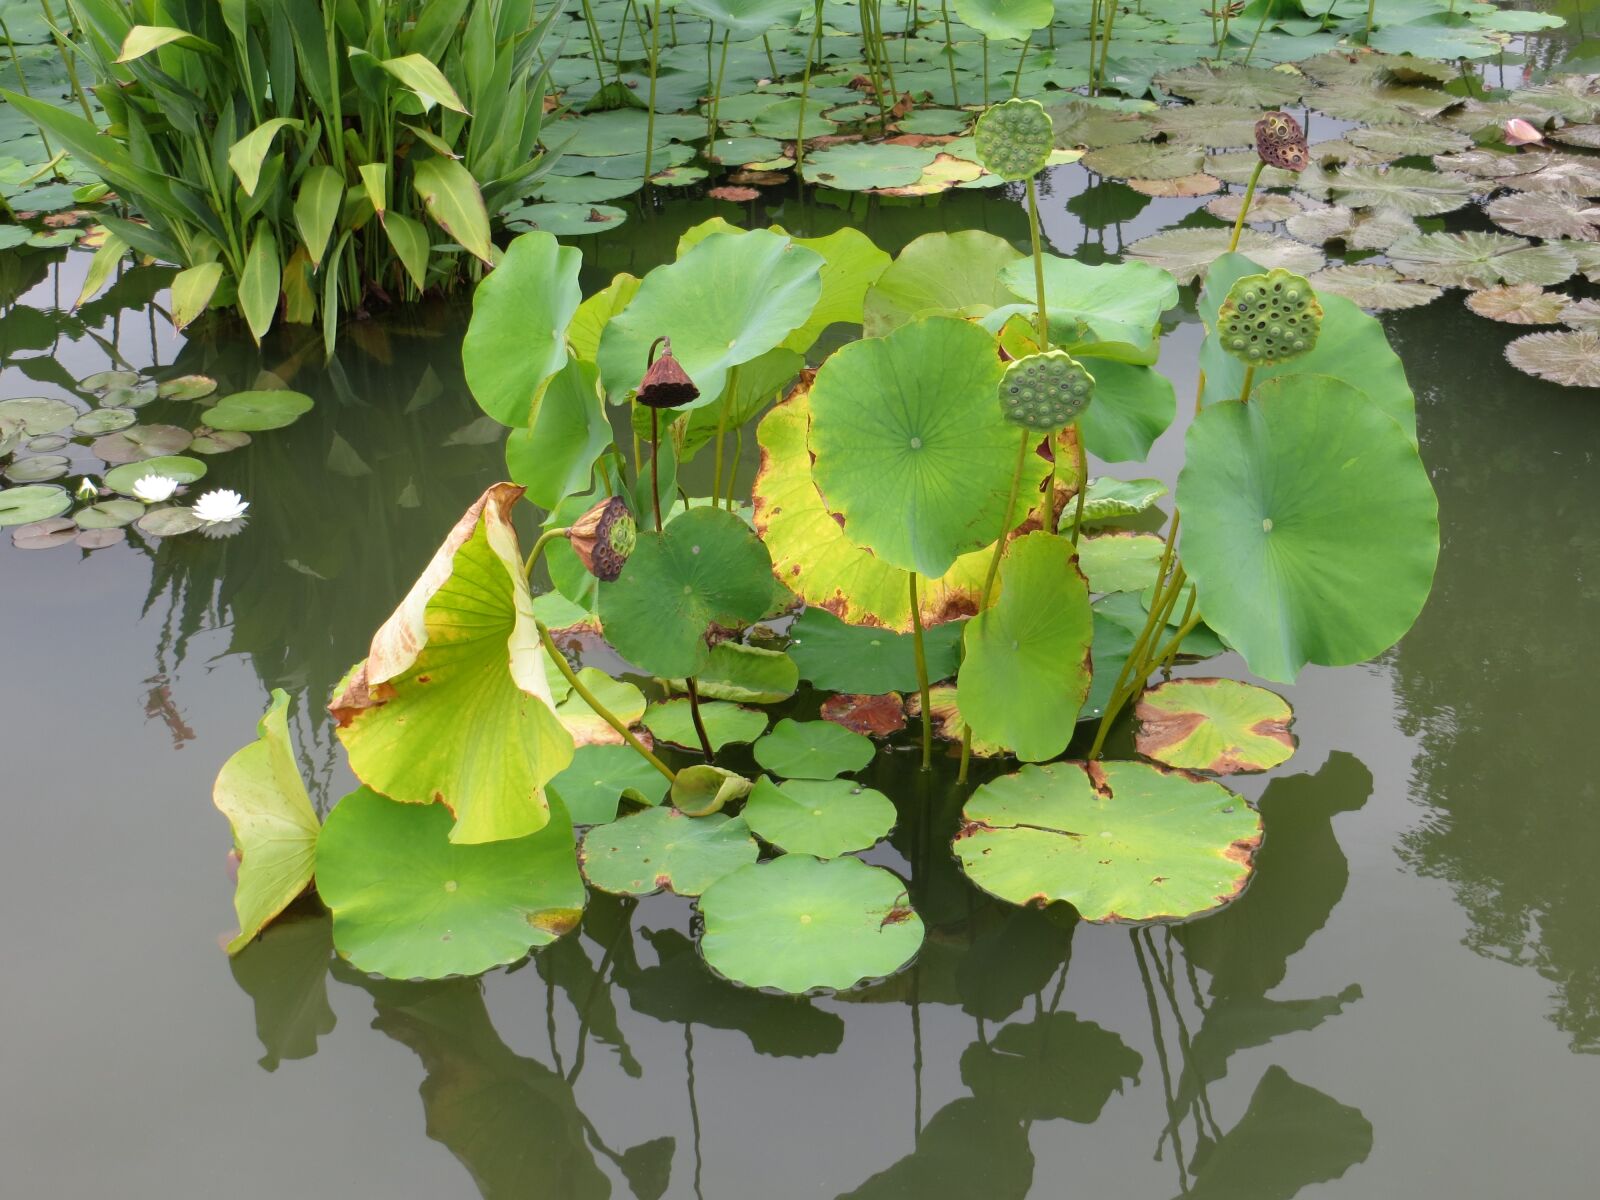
pixel 666 384
pixel 603 538
pixel 1280 142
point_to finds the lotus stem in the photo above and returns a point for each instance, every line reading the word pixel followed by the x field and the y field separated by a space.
pixel 1082 459
pixel 1372 7
pixel 655 459
pixel 1047 516
pixel 589 698
pixel 545 538
pixel 1249 382
pixel 966 753
pixel 883 50
pixel 772 63
pixel 22 86
pixel 728 392
pixel 716 98
pixel 1244 210
pixel 699 725
pixel 67 55
pixel 985 97
pixel 1005 522
pixel 922 677
pixel 1172 651
pixel 1094 33
pixel 1260 25
pixel 950 53
pixel 1105 38
pixel 1153 621
pixel 805 90
pixel 650 117
pixel 1021 61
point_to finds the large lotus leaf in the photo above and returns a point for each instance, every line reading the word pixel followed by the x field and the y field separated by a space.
pixel 1114 302
pixel 1570 359
pixel 664 848
pixel 601 777
pixel 1119 841
pixel 1247 87
pixel 706 568
pixel 797 923
pixel 850 265
pixel 1120 562
pixel 1026 669
pixel 866 659
pixel 452 703
pixel 955 273
pixel 725 723
pixel 910 448
pixel 821 817
pixel 1189 253
pixel 275 829
pixel 1478 260
pixel 1310 528
pixel 1132 407
pixel 251 412
pixel 746 675
pixel 730 299
pixel 410 903
pixel 813 558
pixel 1010 19
pixel 554 457
pixel 34 502
pixel 1351 347
pixel 516 340
pixel 812 750
pixel 1220 726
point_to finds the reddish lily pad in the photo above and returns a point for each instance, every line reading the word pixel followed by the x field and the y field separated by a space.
pixel 1219 726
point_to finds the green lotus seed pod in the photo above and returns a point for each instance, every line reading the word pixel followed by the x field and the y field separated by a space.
pixel 1269 318
pixel 1045 391
pixel 1014 139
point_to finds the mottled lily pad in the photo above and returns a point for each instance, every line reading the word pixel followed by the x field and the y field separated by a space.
pixel 857 166
pixel 664 848
pixel 1410 190
pixel 38 414
pixel 726 724
pixel 252 412
pixel 864 658
pixel 601 777
pixel 1188 253
pixel 1220 726
pixel 168 522
pixel 187 387
pixel 1266 208
pixel 99 539
pixel 1570 359
pixel 109 514
pixel 1359 229
pixel 33 502
pixel 104 420
pixel 1241 86
pixel 1374 287
pixel 821 817
pixel 1479 260
pixel 104 381
pixel 876 716
pixel 1547 215
pixel 140 442
pixel 812 750
pixel 218 441
pixel 1182 187
pixel 42 535
pixel 1519 304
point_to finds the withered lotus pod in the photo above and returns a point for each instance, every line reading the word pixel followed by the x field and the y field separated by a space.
pixel 603 538
pixel 1280 142
pixel 666 384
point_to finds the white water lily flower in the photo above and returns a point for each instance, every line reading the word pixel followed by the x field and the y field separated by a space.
pixel 153 489
pixel 220 507
pixel 87 490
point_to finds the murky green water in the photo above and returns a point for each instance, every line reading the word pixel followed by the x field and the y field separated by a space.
pixel 1405 1003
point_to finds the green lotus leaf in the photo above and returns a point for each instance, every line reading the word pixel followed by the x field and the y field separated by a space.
pixel 797 923
pixel 664 848
pixel 866 659
pixel 1026 669
pixel 410 903
pixel 701 790
pixel 1120 562
pixel 746 675
pixel 187 387
pixel 1014 139
pixel 706 568
pixel 38 468
pixel 954 273
pixel 34 502
pixel 1220 726
pixel 1246 87
pixel 861 166
pixel 600 777
pixel 1109 651
pixel 140 442
pixel 1269 319
pixel 38 415
pixel 729 300
pixel 109 514
pixel 252 412
pixel 275 830
pixel 1130 611
pixel 1046 391
pixel 909 448
pixel 1310 528
pixel 1011 19
pixel 726 724
pixel 1119 841
pixel 554 457
pixel 821 817
pixel 178 467
pixel 812 750
pixel 747 17
pixel 1109 498
pixel 1114 302
pixel 587 727
pixel 452 703
pixel 104 420
pixel 851 264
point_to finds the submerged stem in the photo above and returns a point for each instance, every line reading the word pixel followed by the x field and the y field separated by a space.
pixel 922 676
pixel 589 698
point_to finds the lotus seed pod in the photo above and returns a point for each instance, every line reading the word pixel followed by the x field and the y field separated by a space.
pixel 666 384
pixel 1269 318
pixel 1015 139
pixel 1045 391
pixel 1280 142
pixel 603 538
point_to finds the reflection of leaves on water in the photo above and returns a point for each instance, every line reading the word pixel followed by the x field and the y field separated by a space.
pixel 1056 1067
pixel 968 1148
pixel 285 972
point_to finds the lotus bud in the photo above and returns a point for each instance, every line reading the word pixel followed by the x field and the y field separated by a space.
pixel 603 538
pixel 666 384
pixel 1520 133
pixel 1045 391
pixel 1269 318
pixel 87 491
pixel 1280 142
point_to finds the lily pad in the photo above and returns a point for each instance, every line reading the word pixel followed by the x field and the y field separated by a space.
pixel 797 923
pixel 859 166
pixel 1359 229
pixel 1245 87
pixel 1180 187
pixel 1220 726
pixel 275 829
pixel 746 675
pixel 252 412
pixel 1410 190
pixel 663 848
pixel 38 414
pixel 1120 562
pixel 1189 253
pixel 184 470
pixel 812 750
pixel 1373 287
pixel 726 724
pixel 1119 841
pixel 38 469
pixel 104 381
pixel 1519 304
pixel 104 420
pixel 45 534
pixel 34 502
pixel 820 817
pixel 1479 260
pixel 140 442
pixel 187 387
pixel 109 514
pixel 837 657
pixel 1266 208
pixel 1570 359
pixel 601 777
pixel 168 522
pixel 409 903
pixel 573 219
pixel 1403 141
pixel 99 539
pixel 875 716
pixel 1547 215
pixel 218 441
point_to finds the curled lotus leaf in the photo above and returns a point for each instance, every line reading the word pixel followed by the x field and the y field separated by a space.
pixel 1045 391
pixel 812 750
pixel 701 790
pixel 1119 841
pixel 1519 304
pixel 820 817
pixel 452 703
pixel 796 923
pixel 1014 139
pixel 1571 359
pixel 1117 307
pixel 1219 726
pixel 1269 319
pixel 746 675
pixel 1110 498
pixel 1374 287
pixel 665 848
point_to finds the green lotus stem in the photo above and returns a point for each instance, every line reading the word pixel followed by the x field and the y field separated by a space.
pixel 1136 685
pixel 966 753
pixel 716 99
pixel 1082 459
pixel 868 52
pixel 655 459
pixel 62 45
pixel 650 117
pixel 699 725
pixel 985 97
pixel 1105 40
pixel 1005 522
pixel 1172 651
pixel 1244 210
pixel 545 538
pixel 805 89
pixel 883 51
pixel 922 677
pixel 589 698
pixel 595 40
pixel 772 63
pixel 1372 7
pixel 1094 31
pixel 1153 621
pixel 1260 25
pixel 22 86
pixel 950 53
pixel 722 425
pixel 1047 519
pixel 911 27
pixel 1249 381
pixel 1021 61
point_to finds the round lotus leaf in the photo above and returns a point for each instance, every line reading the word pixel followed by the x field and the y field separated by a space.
pixel 1119 841
pixel 908 447
pixel 38 414
pixel 1570 359
pixel 187 387
pixel 955 273
pixel 1045 391
pixel 409 903
pixel 868 659
pixel 821 817
pixel 140 442
pixel 1377 288
pixel 184 470
pixel 1519 304
pixel 601 776
pixel 168 522
pixel 255 411
pixel 104 381
pixel 1012 19
pixel 861 166
pixel 1310 527
pixel 725 723
pixel 1220 726
pixel 218 441
pixel 1014 139
pixel 32 502
pixel 572 219
pixel 1268 319
pixel 99 539
pixel 702 789
pixel 109 514
pixel 41 535
pixel 812 750
pixel 665 848
pixel 1120 562
pixel 1189 253
pixel 797 923
pixel 104 420
pixel 1245 87
pixel 38 469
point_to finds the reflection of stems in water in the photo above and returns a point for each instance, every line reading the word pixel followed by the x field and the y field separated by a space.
pixel 550 1023
pixel 1244 209
pixel 1168 978
pixel 1161 1058
pixel 589 698
pixel 595 985
pixel 922 676
pixel 916 1050
pixel 694 1107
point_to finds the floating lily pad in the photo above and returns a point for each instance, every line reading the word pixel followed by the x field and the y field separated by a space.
pixel 1378 288
pixel 948 723
pixel 1568 175
pixel 747 675
pixel 587 727
pixel 168 522
pixel 875 716
pixel 1245 87
pixel 1146 160
pixel 104 420
pixel 726 724
pixel 99 539
pixel 601 777
pixel 140 442
pixel 33 502
pixel 1547 215
pixel 812 750
pixel 1403 141
pixel 1570 359
pixel 38 469
pixel 835 656
pixel 1479 260
pixel 184 470
pixel 1266 208
pixel 1519 304
pixel 218 441
pixel 1219 726
pixel 1119 841
pixel 275 829
pixel 130 397
pixel 38 414
pixel 663 848
pixel 1120 562
pixel 858 166
pixel 109 514
pixel 409 903
pixel 104 381
pixel 48 443
pixel 1582 314
pixel 1189 253
pixel 798 923
pixel 568 219
pixel 1410 190
pixel 42 535
pixel 820 817
pixel 187 387
pixel 1359 229
pixel 1214 125
pixel 252 412
pixel 1182 187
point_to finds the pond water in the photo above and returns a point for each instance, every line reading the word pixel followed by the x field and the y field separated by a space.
pixel 1405 1003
